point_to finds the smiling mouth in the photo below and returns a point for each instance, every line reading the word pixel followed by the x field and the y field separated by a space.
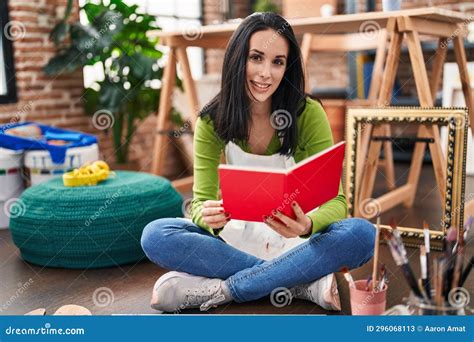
pixel 260 85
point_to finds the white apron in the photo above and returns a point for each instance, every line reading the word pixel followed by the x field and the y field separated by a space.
pixel 257 238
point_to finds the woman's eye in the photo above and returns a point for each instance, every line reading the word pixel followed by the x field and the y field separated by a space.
pixel 255 57
pixel 279 62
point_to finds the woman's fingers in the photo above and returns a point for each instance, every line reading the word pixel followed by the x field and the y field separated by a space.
pixel 294 226
pixel 298 211
pixel 213 214
pixel 216 218
pixel 212 211
pixel 280 228
pixel 212 203
pixel 215 223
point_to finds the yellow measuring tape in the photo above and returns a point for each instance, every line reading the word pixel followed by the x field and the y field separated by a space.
pixel 89 174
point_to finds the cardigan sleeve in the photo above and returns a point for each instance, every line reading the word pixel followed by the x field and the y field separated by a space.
pixel 207 152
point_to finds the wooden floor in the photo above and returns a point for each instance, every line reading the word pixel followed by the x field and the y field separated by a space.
pixel 24 287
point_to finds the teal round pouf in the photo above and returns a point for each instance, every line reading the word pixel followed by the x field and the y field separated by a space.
pixel 91 226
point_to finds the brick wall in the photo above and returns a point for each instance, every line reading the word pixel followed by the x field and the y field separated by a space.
pixel 56 100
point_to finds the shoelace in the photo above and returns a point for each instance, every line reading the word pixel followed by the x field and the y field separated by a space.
pixel 204 298
pixel 213 302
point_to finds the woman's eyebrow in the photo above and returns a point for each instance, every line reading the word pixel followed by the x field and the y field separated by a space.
pixel 260 52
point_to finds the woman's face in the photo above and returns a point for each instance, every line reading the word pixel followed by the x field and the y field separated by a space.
pixel 266 64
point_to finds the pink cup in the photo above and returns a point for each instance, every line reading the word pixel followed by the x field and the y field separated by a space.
pixel 367 302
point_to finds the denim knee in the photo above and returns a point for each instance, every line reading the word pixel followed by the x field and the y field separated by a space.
pixel 365 231
pixel 154 235
pixel 356 235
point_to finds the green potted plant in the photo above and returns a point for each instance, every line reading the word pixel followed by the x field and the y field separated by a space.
pixel 115 39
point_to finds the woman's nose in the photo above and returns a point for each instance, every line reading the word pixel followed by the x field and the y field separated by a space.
pixel 265 70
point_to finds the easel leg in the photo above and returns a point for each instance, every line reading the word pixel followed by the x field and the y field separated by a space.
pixel 426 100
pixel 367 181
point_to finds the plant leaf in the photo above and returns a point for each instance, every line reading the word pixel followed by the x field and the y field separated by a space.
pixel 59 32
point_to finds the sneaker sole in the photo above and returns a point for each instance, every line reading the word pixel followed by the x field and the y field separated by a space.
pixel 160 281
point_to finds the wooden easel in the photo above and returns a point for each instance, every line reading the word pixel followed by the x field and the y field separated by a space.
pixel 412 28
pixel 356 42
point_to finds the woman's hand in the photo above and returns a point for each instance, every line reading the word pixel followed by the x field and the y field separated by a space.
pixel 291 228
pixel 213 214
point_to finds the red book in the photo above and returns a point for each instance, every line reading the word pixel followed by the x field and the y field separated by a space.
pixel 250 193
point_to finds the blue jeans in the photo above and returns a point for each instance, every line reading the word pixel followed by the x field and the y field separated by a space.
pixel 177 244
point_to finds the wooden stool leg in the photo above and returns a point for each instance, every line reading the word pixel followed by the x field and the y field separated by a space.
pixel 189 85
pixel 185 141
pixel 161 139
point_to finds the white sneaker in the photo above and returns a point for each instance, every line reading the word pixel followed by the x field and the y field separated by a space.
pixel 175 291
pixel 323 292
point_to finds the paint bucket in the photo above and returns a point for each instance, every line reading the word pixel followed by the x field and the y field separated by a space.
pixel 367 302
pixel 11 182
pixel 41 167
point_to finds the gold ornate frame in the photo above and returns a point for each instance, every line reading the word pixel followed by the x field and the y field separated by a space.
pixel 456 119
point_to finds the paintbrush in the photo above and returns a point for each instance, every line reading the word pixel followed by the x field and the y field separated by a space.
pixel 466 272
pixel 424 271
pixel 440 288
pixel 399 255
pixel 457 269
pixel 423 292
pixel 450 259
pixel 382 278
pixel 426 233
pixel 463 237
pixel 348 277
pixel 376 254
pixel 369 280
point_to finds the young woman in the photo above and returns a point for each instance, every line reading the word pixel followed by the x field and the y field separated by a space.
pixel 261 117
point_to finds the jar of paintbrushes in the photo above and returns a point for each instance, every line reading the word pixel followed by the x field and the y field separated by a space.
pixel 439 289
pixel 456 306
